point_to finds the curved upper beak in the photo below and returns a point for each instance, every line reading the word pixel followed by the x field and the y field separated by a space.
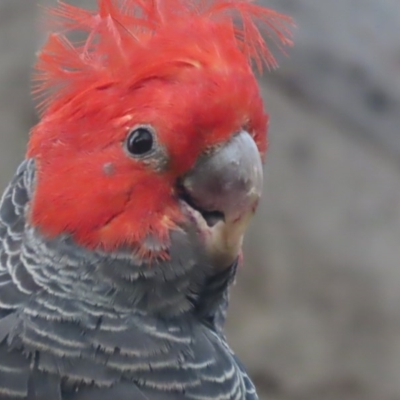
pixel 225 186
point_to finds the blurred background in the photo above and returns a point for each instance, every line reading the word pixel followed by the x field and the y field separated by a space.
pixel 315 313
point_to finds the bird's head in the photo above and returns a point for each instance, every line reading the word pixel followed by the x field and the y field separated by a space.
pixel 152 124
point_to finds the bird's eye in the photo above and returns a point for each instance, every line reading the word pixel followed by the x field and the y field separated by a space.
pixel 140 141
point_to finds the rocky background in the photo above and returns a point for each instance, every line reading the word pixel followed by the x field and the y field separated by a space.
pixel 316 311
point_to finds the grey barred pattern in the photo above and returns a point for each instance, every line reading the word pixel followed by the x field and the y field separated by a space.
pixel 81 325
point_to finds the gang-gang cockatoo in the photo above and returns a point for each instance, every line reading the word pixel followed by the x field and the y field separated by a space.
pixel 121 231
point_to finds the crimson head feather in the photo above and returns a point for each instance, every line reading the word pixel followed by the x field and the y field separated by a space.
pixel 180 70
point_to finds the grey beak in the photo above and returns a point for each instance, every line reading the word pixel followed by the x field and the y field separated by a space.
pixel 227 183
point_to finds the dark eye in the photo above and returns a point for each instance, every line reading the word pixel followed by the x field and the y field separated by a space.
pixel 140 141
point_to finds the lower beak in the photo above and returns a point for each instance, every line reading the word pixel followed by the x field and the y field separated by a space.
pixel 224 187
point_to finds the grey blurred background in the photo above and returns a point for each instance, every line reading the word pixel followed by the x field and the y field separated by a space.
pixel 316 310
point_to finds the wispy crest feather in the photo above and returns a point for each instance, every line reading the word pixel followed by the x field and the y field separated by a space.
pixel 118 28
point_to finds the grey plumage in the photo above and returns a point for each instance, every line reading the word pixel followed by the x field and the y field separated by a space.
pixel 85 325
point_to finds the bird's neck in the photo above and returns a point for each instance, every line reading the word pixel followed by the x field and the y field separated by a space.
pixel 184 284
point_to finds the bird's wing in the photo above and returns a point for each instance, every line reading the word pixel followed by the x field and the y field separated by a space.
pixel 14 366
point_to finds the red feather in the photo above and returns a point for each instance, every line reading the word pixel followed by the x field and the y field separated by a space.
pixel 119 28
pixel 182 66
